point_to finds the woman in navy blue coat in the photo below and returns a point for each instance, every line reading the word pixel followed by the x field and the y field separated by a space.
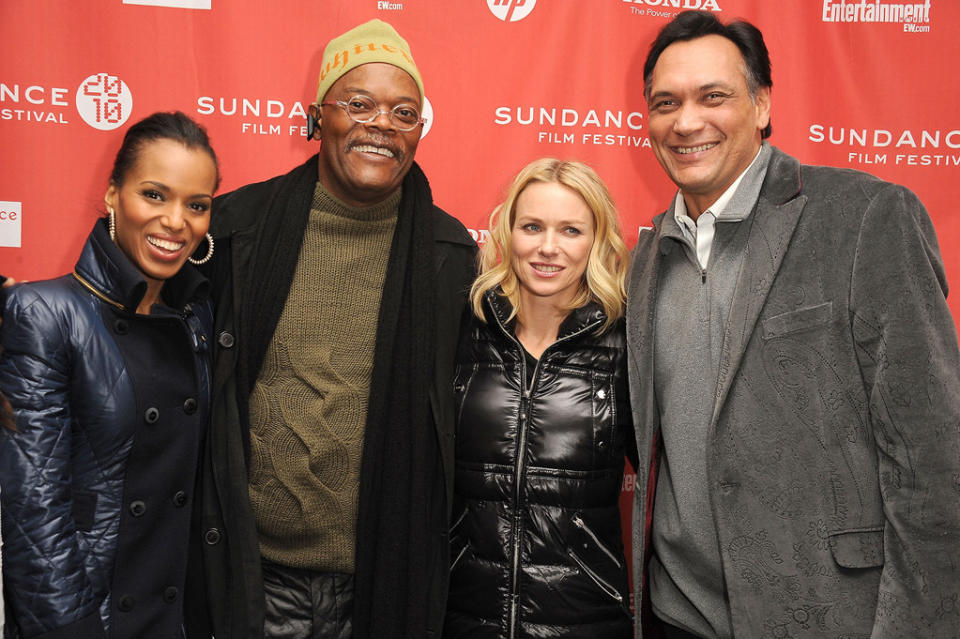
pixel 106 370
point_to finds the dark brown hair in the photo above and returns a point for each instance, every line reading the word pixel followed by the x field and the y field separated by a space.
pixel 690 25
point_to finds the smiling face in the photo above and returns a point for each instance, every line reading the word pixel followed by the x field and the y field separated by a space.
pixel 362 164
pixel 550 242
pixel 704 127
pixel 162 207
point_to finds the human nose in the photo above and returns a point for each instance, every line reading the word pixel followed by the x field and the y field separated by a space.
pixel 382 119
pixel 687 120
pixel 174 218
pixel 548 244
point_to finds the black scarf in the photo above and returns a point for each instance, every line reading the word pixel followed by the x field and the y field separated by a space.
pixel 401 482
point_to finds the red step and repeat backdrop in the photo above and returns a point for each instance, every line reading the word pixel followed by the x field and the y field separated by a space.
pixel 863 84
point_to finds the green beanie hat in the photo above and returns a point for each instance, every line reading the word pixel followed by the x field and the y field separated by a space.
pixel 374 41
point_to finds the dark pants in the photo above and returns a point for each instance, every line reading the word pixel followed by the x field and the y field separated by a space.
pixel 303 604
pixel 668 631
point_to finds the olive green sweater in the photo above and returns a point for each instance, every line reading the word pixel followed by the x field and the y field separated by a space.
pixel 308 408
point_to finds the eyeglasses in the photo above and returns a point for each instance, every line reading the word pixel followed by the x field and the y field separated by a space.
pixel 364 110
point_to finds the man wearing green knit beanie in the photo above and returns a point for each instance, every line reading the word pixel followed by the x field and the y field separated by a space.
pixel 338 288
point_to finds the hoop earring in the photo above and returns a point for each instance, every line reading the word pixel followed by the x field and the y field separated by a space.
pixel 112 224
pixel 206 258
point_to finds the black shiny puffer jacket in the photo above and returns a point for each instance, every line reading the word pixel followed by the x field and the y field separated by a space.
pixel 536 546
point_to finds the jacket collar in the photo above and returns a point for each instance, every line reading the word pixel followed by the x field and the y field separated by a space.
pixel 777 212
pixel 108 273
pixel 586 317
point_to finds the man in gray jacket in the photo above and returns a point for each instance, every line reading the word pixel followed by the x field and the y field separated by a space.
pixel 795 376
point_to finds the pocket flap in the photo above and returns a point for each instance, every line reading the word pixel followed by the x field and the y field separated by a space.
pixel 797 320
pixel 858 548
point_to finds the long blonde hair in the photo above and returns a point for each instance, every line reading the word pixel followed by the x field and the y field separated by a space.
pixel 606 271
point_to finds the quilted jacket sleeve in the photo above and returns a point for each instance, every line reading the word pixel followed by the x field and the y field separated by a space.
pixel 48 591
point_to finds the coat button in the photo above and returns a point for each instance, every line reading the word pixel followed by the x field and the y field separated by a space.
pixel 190 406
pixel 212 536
pixel 121 327
pixel 179 499
pixel 170 594
pixel 151 415
pixel 225 339
pixel 126 603
pixel 601 394
pixel 137 508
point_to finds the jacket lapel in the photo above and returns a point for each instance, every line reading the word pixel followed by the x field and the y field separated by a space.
pixel 641 313
pixel 775 218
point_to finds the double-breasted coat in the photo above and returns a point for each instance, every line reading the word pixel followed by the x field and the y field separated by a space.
pixel 834 444
pixel 98 479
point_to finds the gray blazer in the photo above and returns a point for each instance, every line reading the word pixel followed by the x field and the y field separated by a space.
pixel 834 463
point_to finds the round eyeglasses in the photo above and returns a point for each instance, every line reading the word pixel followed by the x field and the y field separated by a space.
pixel 364 110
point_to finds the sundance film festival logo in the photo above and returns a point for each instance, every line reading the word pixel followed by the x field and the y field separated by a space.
pixel 10 214
pixel 895 146
pixel 270 117
pixel 104 101
pixel 511 10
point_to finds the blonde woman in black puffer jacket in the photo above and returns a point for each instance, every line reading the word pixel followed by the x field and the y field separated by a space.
pixel 543 422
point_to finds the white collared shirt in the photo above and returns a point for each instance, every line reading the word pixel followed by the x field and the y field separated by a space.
pixel 700 232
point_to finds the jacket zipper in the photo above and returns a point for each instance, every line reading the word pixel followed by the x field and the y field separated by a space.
pixel 518 468
pixel 582 525
pixel 599 581
pixel 460 555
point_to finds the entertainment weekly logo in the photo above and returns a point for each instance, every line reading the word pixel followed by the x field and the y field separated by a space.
pixel 914 16
pixel 102 100
pixel 511 10
pixel 269 117
pixel 922 148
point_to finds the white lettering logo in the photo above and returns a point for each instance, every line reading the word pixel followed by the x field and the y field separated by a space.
pixel 908 13
pixel 175 4
pixel 10 224
pixel 104 101
pixel 428 116
pixel 703 5
pixel 480 236
pixel 902 147
pixel 568 126
pixel 511 10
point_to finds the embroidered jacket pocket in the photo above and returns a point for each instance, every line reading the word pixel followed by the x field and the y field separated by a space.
pixel 858 548
pixel 798 320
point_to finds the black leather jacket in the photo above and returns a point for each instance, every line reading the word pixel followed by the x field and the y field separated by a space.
pixel 536 539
